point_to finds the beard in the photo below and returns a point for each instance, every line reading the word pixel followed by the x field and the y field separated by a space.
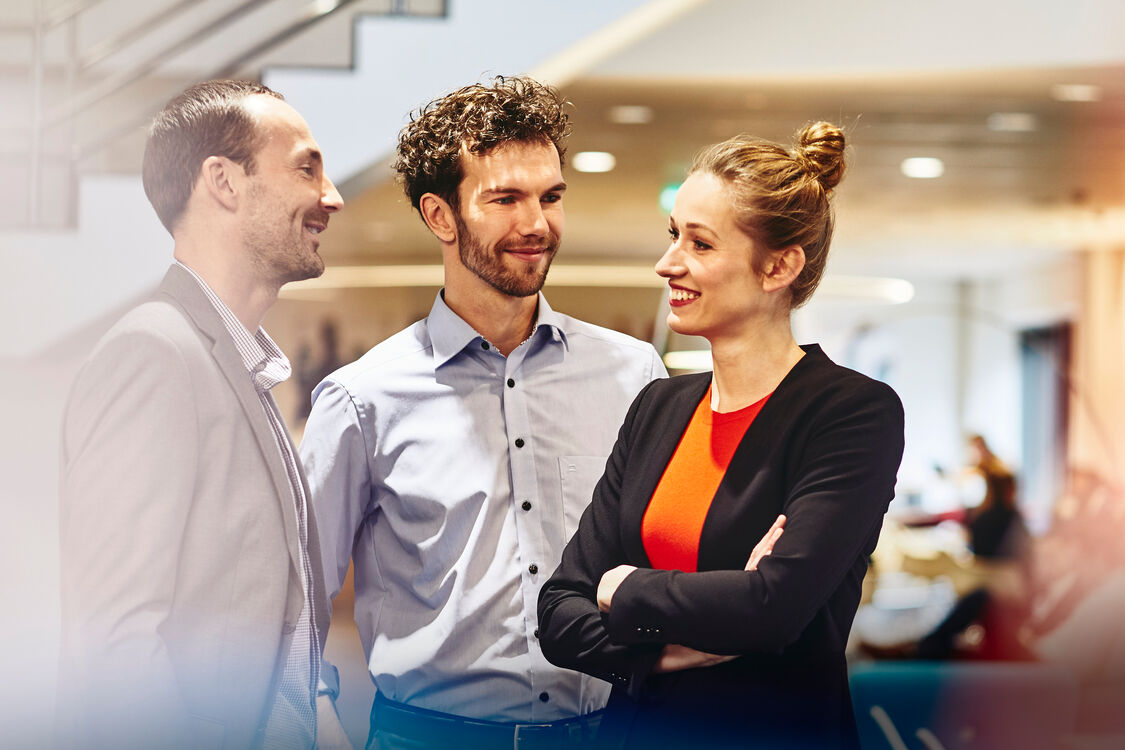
pixel 278 252
pixel 488 264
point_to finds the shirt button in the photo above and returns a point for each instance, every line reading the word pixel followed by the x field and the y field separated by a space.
pixel 533 569
pixel 536 633
pixel 526 505
pixel 544 697
pixel 511 383
pixel 519 442
pixel 484 345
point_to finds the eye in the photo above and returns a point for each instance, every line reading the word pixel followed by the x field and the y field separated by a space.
pixel 700 245
pixel 675 235
pixel 551 198
pixel 309 171
pixel 505 200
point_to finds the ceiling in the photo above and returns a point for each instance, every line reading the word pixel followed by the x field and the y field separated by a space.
pixel 1005 198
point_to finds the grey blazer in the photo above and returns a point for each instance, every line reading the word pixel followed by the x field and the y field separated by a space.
pixel 178 542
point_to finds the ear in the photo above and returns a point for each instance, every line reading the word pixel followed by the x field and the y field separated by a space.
pixel 438 215
pixel 783 268
pixel 222 181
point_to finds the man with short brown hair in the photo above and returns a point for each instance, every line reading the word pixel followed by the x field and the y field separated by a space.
pixel 192 608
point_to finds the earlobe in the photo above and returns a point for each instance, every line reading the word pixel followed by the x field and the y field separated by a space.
pixel 784 267
pixel 438 215
pixel 220 178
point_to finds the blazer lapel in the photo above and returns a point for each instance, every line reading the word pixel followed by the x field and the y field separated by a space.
pixel 667 424
pixel 181 287
pixel 759 454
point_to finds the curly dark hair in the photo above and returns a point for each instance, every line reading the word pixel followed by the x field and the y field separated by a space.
pixel 481 118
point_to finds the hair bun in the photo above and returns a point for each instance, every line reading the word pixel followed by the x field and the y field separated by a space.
pixel 820 147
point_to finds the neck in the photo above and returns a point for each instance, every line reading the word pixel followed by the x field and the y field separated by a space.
pixel 247 295
pixel 747 368
pixel 503 320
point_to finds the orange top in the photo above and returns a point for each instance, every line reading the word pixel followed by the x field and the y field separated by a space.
pixel 673 521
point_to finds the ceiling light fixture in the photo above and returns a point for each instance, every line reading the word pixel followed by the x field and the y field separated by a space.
pixel 923 167
pixel 594 161
pixel 1076 92
pixel 1013 122
pixel 630 114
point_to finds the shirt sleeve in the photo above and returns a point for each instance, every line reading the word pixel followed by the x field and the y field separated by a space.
pixel 572 632
pixel 845 479
pixel 334 452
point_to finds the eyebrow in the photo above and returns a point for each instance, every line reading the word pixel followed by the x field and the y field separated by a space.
pixel 697 225
pixel 313 155
pixel 503 190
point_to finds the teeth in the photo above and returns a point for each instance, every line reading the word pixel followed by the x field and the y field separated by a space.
pixel 315 230
pixel 682 295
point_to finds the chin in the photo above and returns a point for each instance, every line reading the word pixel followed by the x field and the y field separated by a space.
pixel 678 326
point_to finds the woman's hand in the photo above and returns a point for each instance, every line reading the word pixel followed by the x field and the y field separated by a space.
pixel 675 658
pixel 609 582
pixel 763 548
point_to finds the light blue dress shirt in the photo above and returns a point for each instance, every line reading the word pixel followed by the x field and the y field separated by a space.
pixel 455 476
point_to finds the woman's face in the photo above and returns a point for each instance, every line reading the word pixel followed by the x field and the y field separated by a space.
pixel 714 290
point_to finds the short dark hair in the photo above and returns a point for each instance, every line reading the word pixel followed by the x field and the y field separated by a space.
pixel 480 118
pixel 205 120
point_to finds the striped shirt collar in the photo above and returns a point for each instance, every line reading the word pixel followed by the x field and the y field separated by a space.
pixel 265 362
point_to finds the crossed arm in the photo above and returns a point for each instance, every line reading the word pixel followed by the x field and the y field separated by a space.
pixel 621 623
pixel 676 657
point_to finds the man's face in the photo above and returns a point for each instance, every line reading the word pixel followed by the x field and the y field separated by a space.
pixel 511 217
pixel 289 198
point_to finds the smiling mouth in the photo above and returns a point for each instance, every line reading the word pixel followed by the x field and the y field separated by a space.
pixel 527 254
pixel 678 294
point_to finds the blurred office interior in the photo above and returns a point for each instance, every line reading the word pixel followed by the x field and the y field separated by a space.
pixel 978 265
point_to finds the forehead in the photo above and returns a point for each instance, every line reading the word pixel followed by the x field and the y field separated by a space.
pixel 524 165
pixel 280 124
pixel 707 199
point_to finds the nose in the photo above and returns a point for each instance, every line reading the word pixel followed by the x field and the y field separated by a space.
pixel 330 198
pixel 532 220
pixel 670 264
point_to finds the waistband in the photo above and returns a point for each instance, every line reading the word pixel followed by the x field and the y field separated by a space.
pixel 442 730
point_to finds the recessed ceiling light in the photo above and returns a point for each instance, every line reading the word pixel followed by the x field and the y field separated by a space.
pixel 594 161
pixel 923 167
pixel 1076 92
pixel 630 114
pixel 1013 122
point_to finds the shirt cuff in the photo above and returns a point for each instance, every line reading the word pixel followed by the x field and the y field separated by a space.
pixel 329 681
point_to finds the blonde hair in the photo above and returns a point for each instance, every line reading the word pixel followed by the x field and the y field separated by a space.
pixel 782 195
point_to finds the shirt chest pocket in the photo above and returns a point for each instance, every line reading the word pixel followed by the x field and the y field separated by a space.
pixel 578 476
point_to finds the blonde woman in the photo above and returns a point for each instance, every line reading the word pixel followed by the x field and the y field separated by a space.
pixel 716 627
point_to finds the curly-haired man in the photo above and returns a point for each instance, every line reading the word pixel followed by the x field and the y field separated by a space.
pixel 454 459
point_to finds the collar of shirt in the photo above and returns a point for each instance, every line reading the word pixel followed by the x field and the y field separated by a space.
pixel 450 334
pixel 265 362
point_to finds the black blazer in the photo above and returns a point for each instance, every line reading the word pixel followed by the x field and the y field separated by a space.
pixel 824 450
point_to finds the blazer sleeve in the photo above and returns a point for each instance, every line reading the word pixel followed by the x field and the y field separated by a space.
pixel 130 454
pixel 845 478
pixel 572 632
